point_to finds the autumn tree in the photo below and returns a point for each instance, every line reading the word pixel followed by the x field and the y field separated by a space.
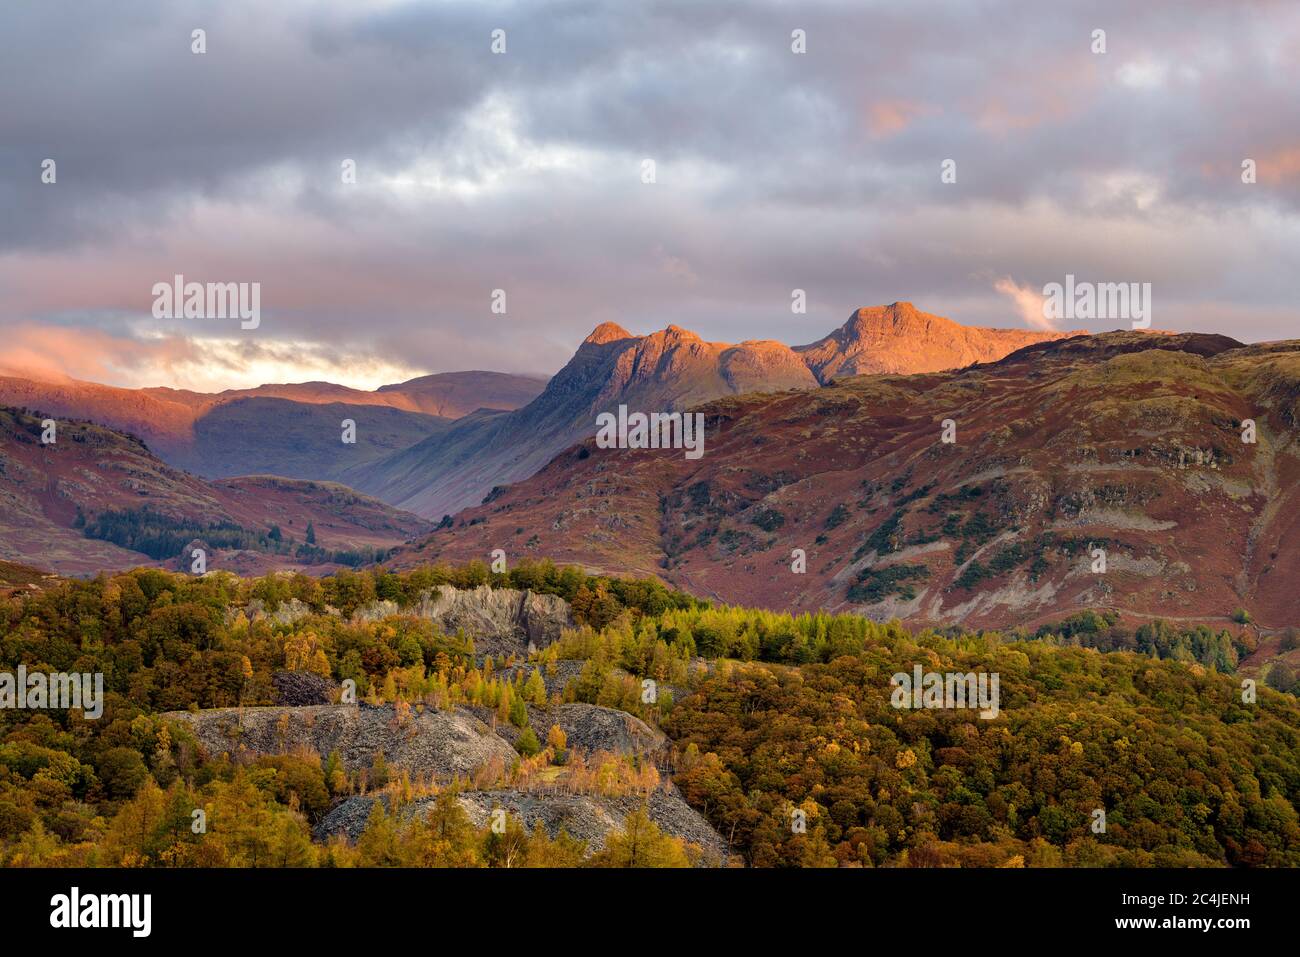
pixel 557 741
pixel 535 689
pixel 641 844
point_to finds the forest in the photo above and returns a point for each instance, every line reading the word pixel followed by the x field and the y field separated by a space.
pixel 163 537
pixel 771 717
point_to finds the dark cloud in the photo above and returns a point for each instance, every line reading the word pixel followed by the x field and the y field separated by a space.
pixel 522 171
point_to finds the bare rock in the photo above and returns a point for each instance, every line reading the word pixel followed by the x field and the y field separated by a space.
pixel 594 728
pixel 429 742
pixel 285 613
pixel 299 688
pixel 500 620
pixel 588 817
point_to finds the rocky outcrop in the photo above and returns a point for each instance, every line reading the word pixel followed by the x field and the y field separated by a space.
pixel 589 728
pixel 285 613
pixel 500 620
pixel 299 688
pixel 434 742
pixel 184 562
pixel 587 817
pixel 902 340
pixel 595 728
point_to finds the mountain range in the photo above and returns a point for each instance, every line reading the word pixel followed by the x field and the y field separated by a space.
pixel 278 429
pixel 141 469
pixel 96 499
pixel 902 466
pixel 1126 442
pixel 667 371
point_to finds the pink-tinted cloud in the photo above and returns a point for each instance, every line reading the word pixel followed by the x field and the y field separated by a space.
pixel 60 353
pixel 56 353
pixel 889 117
pixel 1028 302
pixel 1280 166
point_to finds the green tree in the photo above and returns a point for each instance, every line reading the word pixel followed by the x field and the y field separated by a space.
pixel 378 776
pixel 1281 677
pixel 528 745
pixel 535 689
pixel 518 712
pixel 641 844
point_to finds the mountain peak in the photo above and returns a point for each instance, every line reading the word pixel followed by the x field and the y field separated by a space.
pixel 674 333
pixel 1050 411
pixel 901 339
pixel 901 308
pixel 897 315
pixel 607 332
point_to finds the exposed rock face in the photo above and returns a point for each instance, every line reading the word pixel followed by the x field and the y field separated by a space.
pixel 299 688
pixel 595 728
pixel 901 339
pixel 587 817
pixel 432 742
pixel 500 620
pixel 184 562
pixel 504 617
pixel 286 613
pixel 590 728
pixel 446 744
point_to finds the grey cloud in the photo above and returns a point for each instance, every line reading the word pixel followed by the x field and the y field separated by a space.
pixel 775 170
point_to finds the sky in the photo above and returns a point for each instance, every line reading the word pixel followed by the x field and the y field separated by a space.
pixel 524 171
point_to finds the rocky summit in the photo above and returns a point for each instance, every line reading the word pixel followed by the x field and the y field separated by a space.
pixel 978 496
pixel 665 371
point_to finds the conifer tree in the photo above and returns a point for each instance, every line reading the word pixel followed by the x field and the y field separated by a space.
pixel 518 712
pixel 535 689
pixel 528 745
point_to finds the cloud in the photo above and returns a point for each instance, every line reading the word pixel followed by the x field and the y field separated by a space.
pixel 54 354
pixel 1028 301
pixel 776 171
pixel 889 117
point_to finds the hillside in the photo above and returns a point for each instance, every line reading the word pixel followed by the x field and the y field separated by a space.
pixel 294 439
pixel 1126 441
pixel 668 370
pixel 448 395
pixel 97 500
pixel 770 719
pixel 453 395
pixel 285 429
pixel 15 579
